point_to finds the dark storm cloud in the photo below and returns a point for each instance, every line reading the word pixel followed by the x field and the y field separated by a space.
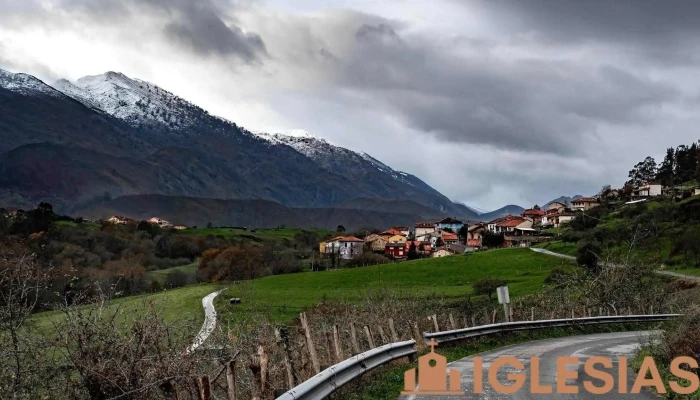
pixel 197 26
pixel 660 31
pixel 532 105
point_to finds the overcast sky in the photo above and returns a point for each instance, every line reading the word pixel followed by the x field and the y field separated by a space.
pixel 491 102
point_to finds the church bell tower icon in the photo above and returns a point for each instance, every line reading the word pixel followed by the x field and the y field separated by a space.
pixel 433 376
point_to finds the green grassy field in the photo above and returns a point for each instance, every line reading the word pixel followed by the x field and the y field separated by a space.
pixel 283 296
pixel 161 274
pixel 260 234
pixel 559 247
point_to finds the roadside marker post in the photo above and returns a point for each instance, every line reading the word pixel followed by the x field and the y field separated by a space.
pixel 504 298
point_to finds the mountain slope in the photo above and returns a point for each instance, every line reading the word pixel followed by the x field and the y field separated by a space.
pixel 105 125
pixel 250 213
pixel 501 212
pixel 563 199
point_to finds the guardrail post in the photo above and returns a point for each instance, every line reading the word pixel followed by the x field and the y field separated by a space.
pixel 392 329
pixel 310 343
pixel 353 339
pixel 336 344
pixel 369 337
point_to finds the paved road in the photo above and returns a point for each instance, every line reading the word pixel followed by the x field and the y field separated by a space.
pixel 209 321
pixel 666 273
pixel 612 345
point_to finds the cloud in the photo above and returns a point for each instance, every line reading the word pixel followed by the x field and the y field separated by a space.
pixel 509 101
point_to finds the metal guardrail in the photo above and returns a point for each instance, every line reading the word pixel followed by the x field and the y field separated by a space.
pixel 327 381
pixel 483 330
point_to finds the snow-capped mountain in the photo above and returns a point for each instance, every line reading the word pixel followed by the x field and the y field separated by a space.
pixel 26 84
pixel 115 136
pixel 132 100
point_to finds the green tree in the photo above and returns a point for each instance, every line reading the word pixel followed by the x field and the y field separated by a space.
pixel 642 171
pixel 665 174
pixel 412 251
pixel 487 286
pixel 588 255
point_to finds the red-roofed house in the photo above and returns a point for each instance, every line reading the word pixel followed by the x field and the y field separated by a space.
pixel 396 250
pixel 391 232
pixel 449 238
pixel 423 248
pixel 533 214
pixel 512 224
pixel 403 229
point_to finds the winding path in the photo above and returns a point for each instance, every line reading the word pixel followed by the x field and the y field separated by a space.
pixel 666 273
pixel 209 321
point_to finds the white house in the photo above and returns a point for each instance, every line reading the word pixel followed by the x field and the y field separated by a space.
pixel 583 204
pixel 160 222
pixel 346 246
pixel 647 189
pixel 119 220
pixel 423 228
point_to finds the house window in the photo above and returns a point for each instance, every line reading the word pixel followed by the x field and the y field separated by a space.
pixel 346 245
pixel 400 252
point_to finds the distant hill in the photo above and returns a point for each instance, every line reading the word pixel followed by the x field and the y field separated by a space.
pixel 250 213
pixel 409 207
pixel 501 212
pixel 563 199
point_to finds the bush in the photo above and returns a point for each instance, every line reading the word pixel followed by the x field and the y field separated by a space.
pixel 589 256
pixel 487 286
pixel 557 276
pixel 367 258
pixel 178 278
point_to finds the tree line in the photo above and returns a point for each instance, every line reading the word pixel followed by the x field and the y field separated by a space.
pixel 680 165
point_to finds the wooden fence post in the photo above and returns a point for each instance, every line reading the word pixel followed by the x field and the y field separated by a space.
pixel 420 343
pixel 453 326
pixel 310 343
pixel 466 325
pixel 203 388
pixel 353 339
pixel 265 386
pixel 282 338
pixel 435 323
pixel 392 329
pixel 336 344
pixel 493 317
pixel 254 366
pixel 486 317
pixel 382 335
pixel 231 379
pixel 473 320
pixel 369 337
pixel 532 313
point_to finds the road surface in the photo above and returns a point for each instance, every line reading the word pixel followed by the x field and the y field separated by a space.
pixel 666 273
pixel 611 345
pixel 209 321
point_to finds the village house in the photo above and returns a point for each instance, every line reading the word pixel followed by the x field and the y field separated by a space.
pixel 160 222
pixel 397 239
pixel 403 229
pixel 510 225
pixel 449 250
pixel 346 246
pixel 474 233
pixel 395 250
pixel 391 232
pixel 422 248
pixel 647 189
pixel 376 242
pixel 549 218
pixel 560 207
pixel 119 220
pixel 180 227
pixel 584 204
pixel 449 238
pixel 423 228
pixel 449 223
pixel 533 214
pixel 491 225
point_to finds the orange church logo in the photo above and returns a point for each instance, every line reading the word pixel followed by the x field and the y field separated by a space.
pixel 433 376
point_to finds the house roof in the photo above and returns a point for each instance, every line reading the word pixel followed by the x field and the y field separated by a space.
pixel 584 200
pixel 350 239
pixel 426 245
pixel 511 222
pixel 392 232
pixel 474 242
pixel 424 225
pixel 526 229
pixel 534 211
pixel 449 236
pixel 475 227
pixel 400 228
pixel 449 220
pixel 502 219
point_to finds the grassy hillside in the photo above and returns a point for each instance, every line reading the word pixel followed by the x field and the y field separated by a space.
pixel 283 296
pixel 259 234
